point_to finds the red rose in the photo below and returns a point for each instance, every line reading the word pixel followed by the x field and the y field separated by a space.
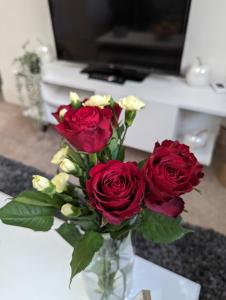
pixel 115 190
pixel 116 112
pixel 88 128
pixel 171 171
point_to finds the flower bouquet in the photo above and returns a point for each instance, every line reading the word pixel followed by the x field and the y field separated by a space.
pixel 109 198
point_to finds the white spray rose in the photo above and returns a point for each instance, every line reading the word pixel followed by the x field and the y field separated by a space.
pixel 62 113
pixel 40 183
pixel 131 103
pixel 75 99
pixel 67 209
pixel 98 100
pixel 67 165
pixel 60 155
pixel 60 182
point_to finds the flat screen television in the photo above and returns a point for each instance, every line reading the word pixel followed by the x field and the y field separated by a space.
pixel 124 35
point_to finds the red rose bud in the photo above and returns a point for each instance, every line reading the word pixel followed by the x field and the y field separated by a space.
pixel 115 190
pixel 171 171
pixel 88 128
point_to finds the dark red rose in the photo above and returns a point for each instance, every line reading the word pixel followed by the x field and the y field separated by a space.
pixel 88 128
pixel 170 171
pixel 116 110
pixel 115 190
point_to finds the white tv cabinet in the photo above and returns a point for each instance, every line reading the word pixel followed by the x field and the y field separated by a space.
pixel 172 107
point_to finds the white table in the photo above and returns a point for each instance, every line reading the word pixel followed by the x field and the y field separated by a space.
pixel 36 266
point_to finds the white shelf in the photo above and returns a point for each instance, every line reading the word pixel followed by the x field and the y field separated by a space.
pixel 56 95
pixel 163 89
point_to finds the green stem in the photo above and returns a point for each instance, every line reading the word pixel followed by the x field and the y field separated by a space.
pixel 122 140
pixel 93 159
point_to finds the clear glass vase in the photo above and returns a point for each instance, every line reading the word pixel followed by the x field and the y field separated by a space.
pixel 109 276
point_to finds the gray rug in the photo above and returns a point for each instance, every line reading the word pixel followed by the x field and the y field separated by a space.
pixel 200 256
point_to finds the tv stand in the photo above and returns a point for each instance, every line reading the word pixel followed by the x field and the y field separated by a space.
pixel 114 74
pixel 172 110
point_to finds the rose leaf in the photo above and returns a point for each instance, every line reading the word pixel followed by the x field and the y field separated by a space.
pixel 36 217
pixel 141 163
pixel 161 229
pixel 84 250
pixel 36 198
pixel 69 233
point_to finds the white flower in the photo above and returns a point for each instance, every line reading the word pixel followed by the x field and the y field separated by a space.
pixel 131 103
pixel 62 113
pixel 75 99
pixel 98 100
pixel 60 182
pixel 67 165
pixel 67 210
pixel 40 183
pixel 60 155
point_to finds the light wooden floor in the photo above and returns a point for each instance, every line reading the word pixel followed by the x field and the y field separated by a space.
pixel 20 140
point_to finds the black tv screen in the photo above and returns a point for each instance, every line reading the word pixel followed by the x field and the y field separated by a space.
pixel 148 34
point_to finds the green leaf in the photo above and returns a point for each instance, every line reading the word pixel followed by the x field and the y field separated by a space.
pixel 161 229
pixel 85 248
pixel 36 217
pixel 35 198
pixel 119 231
pixel 76 157
pixel 69 233
pixel 61 199
pixel 113 145
pixel 121 234
pixel 141 163
pixel 88 222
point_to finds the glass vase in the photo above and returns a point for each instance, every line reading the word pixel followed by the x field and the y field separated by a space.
pixel 110 274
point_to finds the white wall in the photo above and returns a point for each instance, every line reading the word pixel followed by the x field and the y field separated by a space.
pixel 22 20
pixel 206 36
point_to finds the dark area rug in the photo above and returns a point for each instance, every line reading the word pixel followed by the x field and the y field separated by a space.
pixel 200 256
pixel 16 177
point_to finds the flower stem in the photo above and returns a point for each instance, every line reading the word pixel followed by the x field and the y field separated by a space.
pixel 93 159
pixel 122 140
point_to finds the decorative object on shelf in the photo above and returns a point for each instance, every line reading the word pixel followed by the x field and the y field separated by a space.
pixel 111 197
pixel 28 76
pixel 219 87
pixel 198 74
pixel 196 139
